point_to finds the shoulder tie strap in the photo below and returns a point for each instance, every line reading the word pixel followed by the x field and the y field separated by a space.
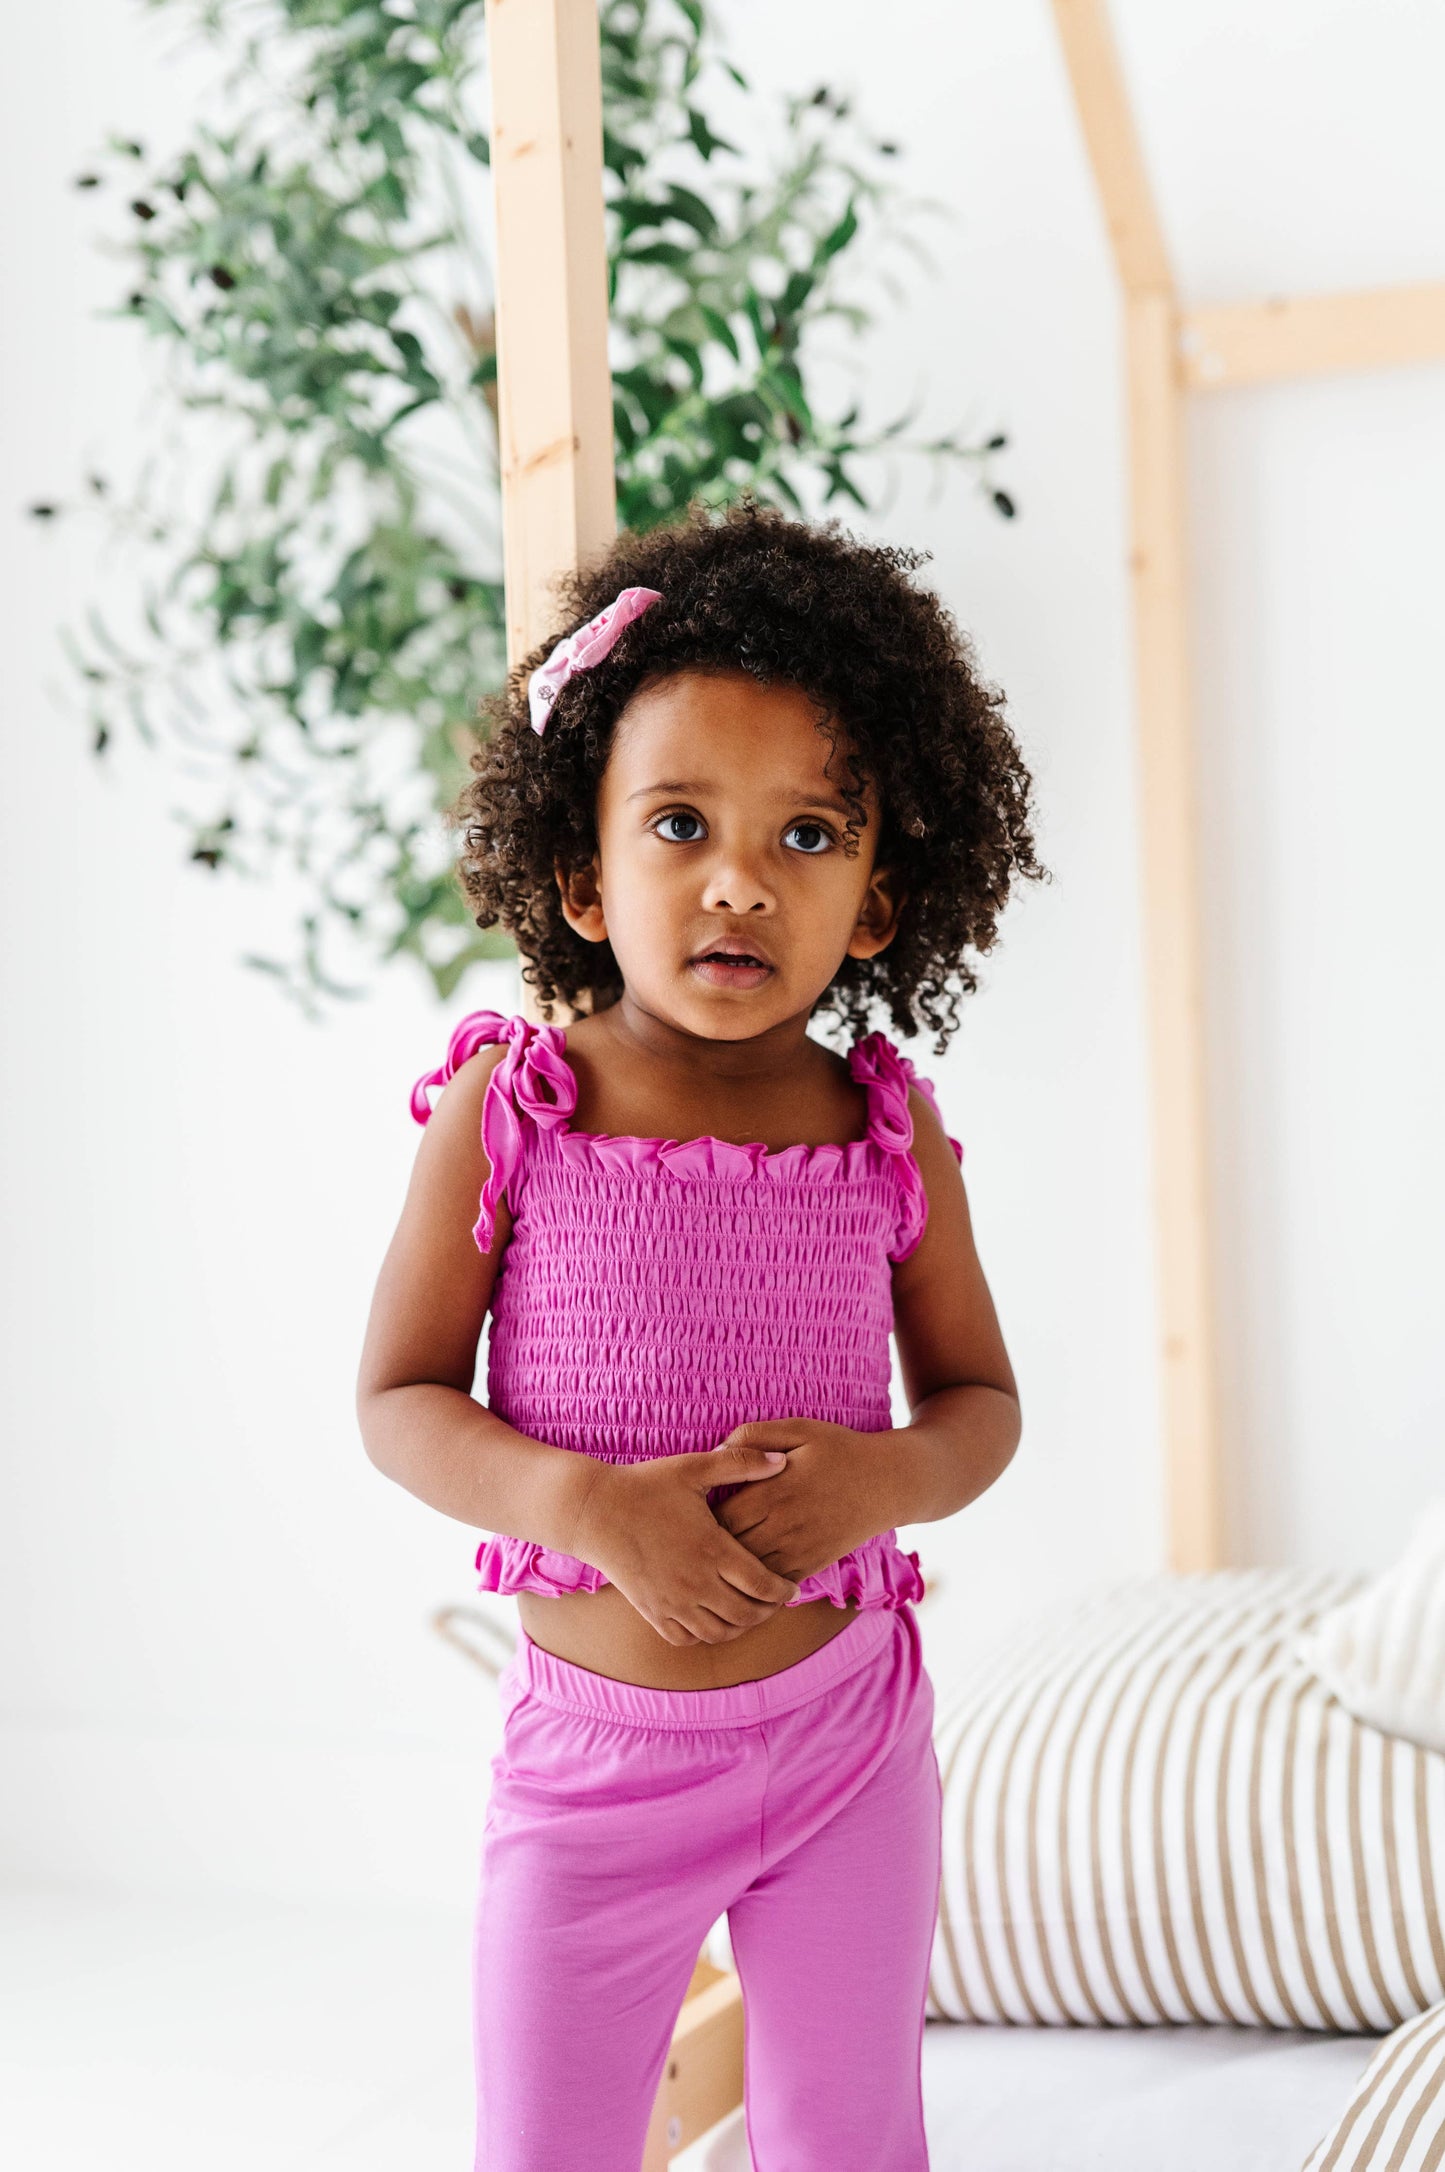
pixel 876 1064
pixel 479 1029
pixel 533 1080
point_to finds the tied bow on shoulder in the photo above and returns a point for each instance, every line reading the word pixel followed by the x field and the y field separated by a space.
pixel 533 1079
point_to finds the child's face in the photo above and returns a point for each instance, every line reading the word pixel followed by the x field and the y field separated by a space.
pixel 720 879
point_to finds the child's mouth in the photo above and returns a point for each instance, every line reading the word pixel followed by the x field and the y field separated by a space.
pixel 730 968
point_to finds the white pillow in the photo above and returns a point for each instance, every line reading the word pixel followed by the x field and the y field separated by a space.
pixel 1382 1653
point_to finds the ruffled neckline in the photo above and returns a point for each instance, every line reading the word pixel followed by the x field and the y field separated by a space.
pixel 535 1080
pixel 543 1081
pixel 889 1123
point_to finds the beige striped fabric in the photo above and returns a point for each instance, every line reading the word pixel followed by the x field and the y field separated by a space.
pixel 1395 2121
pixel 1153 1812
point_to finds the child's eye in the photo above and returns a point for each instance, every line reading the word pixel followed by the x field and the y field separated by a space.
pixel 679 829
pixel 811 837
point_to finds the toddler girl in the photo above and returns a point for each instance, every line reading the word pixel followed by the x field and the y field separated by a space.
pixel 756 783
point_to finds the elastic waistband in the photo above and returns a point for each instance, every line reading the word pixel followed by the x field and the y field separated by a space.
pixel 741 1704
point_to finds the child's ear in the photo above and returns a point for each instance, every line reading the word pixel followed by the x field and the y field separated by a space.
pixel 582 902
pixel 878 916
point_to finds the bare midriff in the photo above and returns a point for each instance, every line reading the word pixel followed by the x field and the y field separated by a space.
pixel 603 1632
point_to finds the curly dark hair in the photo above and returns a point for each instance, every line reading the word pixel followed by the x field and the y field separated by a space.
pixel 793 604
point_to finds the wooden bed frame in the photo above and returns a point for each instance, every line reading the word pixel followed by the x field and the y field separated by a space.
pixel 558 507
pixel 1172 352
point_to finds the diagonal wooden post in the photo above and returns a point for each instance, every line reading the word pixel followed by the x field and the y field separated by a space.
pixel 1172 941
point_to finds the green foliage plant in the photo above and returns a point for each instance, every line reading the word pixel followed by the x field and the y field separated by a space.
pixel 318 608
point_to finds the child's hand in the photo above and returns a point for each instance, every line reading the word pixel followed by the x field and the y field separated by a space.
pixel 825 1503
pixel 650 1530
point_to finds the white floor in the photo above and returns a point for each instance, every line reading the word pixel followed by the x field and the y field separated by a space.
pixel 164 2034
pixel 143 2033
pixel 230 2034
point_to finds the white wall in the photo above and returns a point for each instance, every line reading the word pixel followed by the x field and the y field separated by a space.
pixel 216 1660
pixel 1295 148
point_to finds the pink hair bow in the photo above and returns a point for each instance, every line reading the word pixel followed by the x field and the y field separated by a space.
pixel 581 650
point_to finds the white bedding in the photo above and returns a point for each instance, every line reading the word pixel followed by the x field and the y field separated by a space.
pixel 1133 2100
pixel 1114 2100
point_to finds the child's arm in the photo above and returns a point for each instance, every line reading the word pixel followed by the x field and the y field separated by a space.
pixel 841 1487
pixel 419 1421
pixel 956 1372
pixel 647 1527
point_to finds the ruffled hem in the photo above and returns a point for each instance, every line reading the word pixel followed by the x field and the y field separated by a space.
pixel 878 1574
pixel 511 1564
pixel 534 1080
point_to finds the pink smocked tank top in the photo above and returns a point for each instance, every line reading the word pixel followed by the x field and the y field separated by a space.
pixel 656 1293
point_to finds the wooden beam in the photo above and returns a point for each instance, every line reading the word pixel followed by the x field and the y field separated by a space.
pixel 1251 343
pixel 1193 1487
pixel 1172 936
pixel 1112 141
pixel 554 385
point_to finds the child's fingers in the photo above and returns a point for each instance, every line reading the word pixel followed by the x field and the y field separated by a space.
pixel 725 1614
pixel 753 1578
pixel 719 1624
pixel 736 1461
pixel 737 1607
pixel 767 1433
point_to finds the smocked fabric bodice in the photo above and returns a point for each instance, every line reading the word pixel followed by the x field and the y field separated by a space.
pixel 656 1293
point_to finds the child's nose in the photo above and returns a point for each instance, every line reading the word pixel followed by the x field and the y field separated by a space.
pixel 736 886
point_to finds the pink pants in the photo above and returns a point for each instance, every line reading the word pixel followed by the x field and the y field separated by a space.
pixel 624 1821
